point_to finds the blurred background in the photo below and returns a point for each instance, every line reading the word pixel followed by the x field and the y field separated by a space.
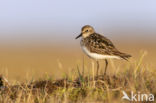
pixel 38 37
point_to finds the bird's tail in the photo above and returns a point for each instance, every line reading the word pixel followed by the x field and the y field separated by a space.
pixel 123 55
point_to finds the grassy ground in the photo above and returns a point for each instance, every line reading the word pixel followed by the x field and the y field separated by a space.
pixel 81 87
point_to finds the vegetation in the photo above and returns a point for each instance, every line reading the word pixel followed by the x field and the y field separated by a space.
pixel 82 88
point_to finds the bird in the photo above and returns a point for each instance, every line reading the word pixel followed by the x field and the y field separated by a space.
pixel 98 47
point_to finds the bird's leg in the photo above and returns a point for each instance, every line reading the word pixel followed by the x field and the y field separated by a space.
pixel 106 66
pixel 97 68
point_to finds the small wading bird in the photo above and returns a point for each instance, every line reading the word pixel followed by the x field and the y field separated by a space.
pixel 99 47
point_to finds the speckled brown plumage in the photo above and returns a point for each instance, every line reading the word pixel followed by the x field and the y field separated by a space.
pixel 99 44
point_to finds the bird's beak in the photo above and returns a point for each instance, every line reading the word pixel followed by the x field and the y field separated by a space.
pixel 78 36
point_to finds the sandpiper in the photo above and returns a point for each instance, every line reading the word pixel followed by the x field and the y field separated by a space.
pixel 99 47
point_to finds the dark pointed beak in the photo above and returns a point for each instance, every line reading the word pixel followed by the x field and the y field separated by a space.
pixel 78 36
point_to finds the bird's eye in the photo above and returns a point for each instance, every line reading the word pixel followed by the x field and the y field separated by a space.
pixel 86 30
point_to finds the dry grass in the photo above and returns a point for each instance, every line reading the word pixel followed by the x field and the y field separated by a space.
pixel 81 87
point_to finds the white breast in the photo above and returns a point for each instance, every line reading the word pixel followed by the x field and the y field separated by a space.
pixel 97 56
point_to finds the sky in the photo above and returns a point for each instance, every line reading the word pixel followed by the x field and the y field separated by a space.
pixel 24 21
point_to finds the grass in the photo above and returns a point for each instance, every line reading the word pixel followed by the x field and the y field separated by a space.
pixel 80 87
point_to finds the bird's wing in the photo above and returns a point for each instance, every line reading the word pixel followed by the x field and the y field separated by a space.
pixel 97 43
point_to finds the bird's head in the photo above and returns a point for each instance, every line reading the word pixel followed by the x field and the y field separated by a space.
pixel 86 31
